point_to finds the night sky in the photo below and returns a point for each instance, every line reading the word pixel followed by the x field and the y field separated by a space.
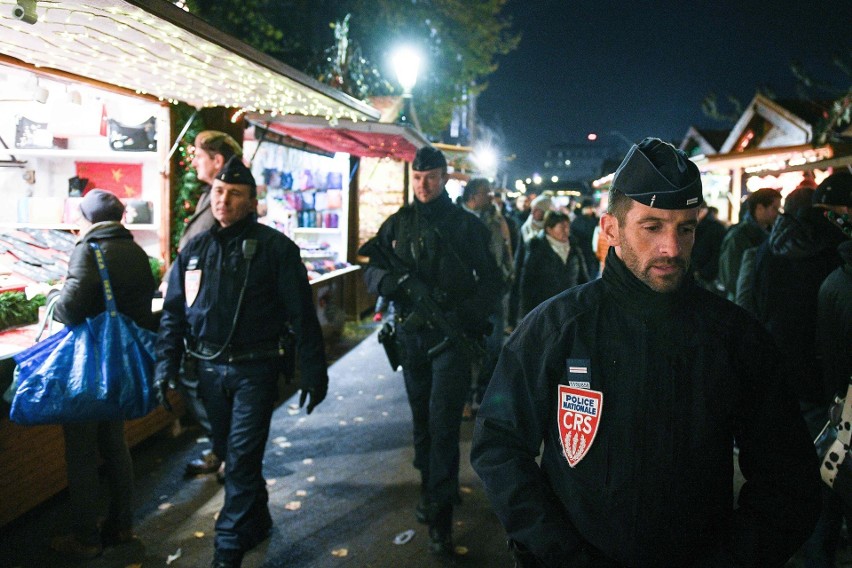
pixel 643 68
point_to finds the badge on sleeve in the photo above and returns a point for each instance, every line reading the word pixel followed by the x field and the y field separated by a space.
pixel 579 416
pixel 191 285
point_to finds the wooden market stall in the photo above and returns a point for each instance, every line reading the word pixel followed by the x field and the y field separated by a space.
pixel 87 99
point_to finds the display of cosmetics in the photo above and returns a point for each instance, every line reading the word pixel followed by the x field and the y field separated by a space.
pixel 311 218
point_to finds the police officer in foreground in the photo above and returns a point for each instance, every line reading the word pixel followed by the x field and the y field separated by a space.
pixel 637 384
pixel 446 248
pixel 231 295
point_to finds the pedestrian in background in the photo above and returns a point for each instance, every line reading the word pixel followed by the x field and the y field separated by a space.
pixel 477 200
pixel 582 231
pixel 762 208
pixel 233 293
pixel 82 297
pixel 637 385
pixel 708 245
pixel 446 248
pixel 210 152
pixel 530 228
pixel 554 263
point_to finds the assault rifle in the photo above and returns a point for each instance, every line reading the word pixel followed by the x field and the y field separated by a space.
pixel 425 310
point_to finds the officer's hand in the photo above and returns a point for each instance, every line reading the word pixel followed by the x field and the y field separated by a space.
pixel 317 396
pixel 389 284
pixel 161 389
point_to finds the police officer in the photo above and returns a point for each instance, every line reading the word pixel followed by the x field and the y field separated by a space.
pixel 210 151
pixel 446 248
pixel 231 295
pixel 637 384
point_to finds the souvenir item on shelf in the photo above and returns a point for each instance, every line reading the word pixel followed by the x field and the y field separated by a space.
pixel 334 199
pixel 334 180
pixel 138 212
pixel 286 180
pixel 137 138
pixel 124 180
pixel 32 134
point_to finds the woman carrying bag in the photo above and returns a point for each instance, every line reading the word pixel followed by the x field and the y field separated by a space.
pixel 82 297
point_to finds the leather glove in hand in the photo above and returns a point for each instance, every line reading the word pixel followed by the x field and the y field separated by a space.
pixel 161 389
pixel 316 397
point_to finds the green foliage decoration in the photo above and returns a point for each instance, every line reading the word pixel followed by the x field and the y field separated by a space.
pixel 16 310
pixel 187 188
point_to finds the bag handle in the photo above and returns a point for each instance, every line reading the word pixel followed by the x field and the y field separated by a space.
pixel 109 297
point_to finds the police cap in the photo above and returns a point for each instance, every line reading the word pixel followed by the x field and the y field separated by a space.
pixel 236 172
pixel 428 158
pixel 659 175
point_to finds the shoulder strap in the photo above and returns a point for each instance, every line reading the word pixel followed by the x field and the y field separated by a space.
pixel 109 297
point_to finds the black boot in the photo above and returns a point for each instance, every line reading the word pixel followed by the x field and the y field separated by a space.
pixel 227 559
pixel 441 530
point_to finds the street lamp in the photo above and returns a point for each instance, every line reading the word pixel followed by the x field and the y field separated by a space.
pixel 406 64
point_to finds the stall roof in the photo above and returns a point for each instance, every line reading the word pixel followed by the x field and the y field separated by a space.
pixel 364 139
pixel 154 48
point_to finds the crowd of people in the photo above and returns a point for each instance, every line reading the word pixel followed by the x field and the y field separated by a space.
pixel 549 310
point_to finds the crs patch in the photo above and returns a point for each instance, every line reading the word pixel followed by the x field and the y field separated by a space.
pixel 579 416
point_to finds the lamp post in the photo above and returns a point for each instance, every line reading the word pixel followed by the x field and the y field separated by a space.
pixel 406 64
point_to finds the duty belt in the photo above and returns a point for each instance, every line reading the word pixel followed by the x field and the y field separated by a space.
pixel 241 353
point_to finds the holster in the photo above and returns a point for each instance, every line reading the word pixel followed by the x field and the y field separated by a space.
pixel 390 341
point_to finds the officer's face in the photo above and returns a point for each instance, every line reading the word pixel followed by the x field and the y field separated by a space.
pixel 428 184
pixel 231 203
pixel 655 244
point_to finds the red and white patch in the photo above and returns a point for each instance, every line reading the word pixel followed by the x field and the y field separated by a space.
pixel 579 416
pixel 191 285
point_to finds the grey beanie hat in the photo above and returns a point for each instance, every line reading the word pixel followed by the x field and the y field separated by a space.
pixel 99 205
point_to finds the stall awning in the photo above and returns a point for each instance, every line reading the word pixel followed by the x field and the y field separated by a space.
pixel 154 48
pixel 363 139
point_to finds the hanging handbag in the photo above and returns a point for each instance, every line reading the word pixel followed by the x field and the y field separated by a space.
pixel 101 369
pixel 139 138
pixel 833 448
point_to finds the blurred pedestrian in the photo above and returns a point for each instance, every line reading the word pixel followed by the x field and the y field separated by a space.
pixel 446 249
pixel 762 208
pixel 477 198
pixel 582 231
pixel 233 294
pixel 554 263
pixel 708 245
pixel 636 386
pixel 86 443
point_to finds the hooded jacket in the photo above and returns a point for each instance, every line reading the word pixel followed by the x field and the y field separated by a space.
pixel 129 272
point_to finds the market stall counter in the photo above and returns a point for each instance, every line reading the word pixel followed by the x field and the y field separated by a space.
pixel 32 458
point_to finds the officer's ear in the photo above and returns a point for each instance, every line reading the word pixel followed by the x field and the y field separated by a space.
pixel 610 229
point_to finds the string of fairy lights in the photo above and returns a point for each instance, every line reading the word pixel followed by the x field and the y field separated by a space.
pixel 116 43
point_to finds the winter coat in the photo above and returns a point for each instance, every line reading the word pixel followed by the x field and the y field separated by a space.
pixel 834 324
pixel 129 272
pixel 744 235
pixel 545 275
pixel 789 270
pixel 645 393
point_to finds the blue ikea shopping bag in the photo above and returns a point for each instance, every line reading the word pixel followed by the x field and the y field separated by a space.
pixel 101 369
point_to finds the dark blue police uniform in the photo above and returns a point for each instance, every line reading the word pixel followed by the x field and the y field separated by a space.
pixel 239 386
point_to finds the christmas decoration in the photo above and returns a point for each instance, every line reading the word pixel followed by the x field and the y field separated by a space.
pixel 187 188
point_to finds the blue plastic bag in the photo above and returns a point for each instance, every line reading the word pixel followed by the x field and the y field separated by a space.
pixel 101 369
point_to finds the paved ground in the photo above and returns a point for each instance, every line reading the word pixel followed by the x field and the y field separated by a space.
pixel 341 486
pixel 341 489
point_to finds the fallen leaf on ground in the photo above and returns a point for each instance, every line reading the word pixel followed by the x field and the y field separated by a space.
pixel 164 506
pixel 358 419
pixel 216 516
pixel 384 413
pixel 380 376
pixel 339 398
pixel 202 440
pixel 343 423
pixel 293 406
pixel 307 461
pixel 312 478
pixel 380 396
pixel 293 411
pixel 404 537
pixel 172 557
pixel 279 440
pixel 293 505
pixel 271 481
pixel 133 566
pixel 301 493
pixel 461 550
pixel 340 552
pixel 465 489
pixel 198 534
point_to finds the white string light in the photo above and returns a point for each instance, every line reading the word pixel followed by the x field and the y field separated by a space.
pixel 116 43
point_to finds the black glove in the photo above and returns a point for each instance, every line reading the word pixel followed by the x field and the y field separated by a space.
pixel 317 396
pixel 161 388
pixel 389 284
